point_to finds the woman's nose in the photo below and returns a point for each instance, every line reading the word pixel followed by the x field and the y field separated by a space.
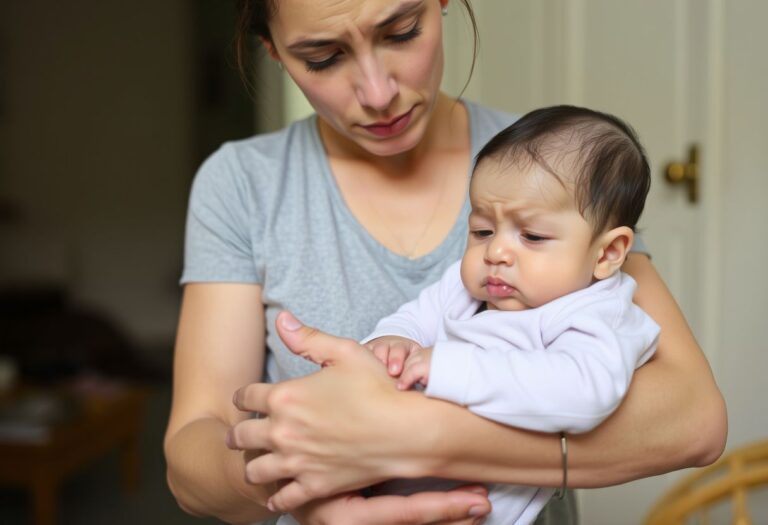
pixel 376 87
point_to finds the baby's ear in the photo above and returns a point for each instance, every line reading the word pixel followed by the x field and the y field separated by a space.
pixel 614 245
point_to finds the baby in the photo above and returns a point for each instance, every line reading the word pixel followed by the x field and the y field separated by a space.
pixel 535 326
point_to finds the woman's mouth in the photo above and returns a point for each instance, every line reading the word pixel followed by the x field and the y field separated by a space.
pixel 392 127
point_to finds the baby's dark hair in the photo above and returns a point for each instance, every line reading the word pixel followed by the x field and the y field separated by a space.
pixel 611 176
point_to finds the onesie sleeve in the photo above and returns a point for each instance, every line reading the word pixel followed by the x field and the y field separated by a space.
pixel 419 320
pixel 220 236
pixel 591 351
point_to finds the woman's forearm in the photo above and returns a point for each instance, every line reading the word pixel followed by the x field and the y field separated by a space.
pixel 673 417
pixel 664 424
pixel 208 479
pixel 219 347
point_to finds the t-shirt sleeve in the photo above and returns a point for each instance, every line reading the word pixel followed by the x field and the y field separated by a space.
pixel 639 246
pixel 221 241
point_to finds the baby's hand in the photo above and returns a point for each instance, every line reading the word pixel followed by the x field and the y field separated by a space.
pixel 416 368
pixel 392 351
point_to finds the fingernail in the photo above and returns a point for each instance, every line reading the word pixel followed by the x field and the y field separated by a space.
pixel 393 369
pixel 289 322
pixel 477 490
pixel 270 505
pixel 477 511
pixel 229 439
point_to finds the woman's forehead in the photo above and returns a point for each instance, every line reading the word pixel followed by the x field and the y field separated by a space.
pixel 299 19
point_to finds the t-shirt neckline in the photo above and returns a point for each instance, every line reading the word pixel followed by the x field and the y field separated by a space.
pixel 456 233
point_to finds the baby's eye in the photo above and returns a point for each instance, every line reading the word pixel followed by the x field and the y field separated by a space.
pixel 481 234
pixel 532 237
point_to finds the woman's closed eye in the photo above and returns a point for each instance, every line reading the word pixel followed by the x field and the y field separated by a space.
pixel 409 34
pixel 321 64
pixel 397 36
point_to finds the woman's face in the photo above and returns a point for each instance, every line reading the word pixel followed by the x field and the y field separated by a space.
pixel 370 68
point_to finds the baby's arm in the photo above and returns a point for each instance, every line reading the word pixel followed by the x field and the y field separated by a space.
pixel 592 349
pixel 416 324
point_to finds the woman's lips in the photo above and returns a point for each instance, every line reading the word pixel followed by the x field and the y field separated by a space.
pixel 498 288
pixel 393 127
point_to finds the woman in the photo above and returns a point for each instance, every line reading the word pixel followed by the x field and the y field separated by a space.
pixel 340 218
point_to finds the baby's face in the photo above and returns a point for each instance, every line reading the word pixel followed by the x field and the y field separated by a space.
pixel 528 244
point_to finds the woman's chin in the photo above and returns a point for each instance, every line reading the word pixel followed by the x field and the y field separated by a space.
pixel 395 145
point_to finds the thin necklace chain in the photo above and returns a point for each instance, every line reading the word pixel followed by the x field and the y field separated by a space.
pixel 404 250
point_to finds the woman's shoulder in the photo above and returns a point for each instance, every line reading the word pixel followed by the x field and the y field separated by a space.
pixel 268 148
pixel 485 122
pixel 262 160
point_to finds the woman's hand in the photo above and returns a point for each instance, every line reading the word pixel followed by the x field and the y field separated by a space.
pixel 323 452
pixel 463 506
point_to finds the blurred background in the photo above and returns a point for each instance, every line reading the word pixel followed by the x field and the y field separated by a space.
pixel 107 108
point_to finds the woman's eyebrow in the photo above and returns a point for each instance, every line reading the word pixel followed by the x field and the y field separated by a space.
pixel 311 43
pixel 405 9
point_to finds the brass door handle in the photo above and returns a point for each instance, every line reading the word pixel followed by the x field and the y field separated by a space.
pixel 686 172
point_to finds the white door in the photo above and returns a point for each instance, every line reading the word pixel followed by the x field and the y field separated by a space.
pixel 682 72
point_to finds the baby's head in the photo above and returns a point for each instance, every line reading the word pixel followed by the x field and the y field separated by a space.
pixel 555 198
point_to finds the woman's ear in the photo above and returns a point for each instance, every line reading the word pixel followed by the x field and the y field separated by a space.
pixel 270 47
pixel 614 245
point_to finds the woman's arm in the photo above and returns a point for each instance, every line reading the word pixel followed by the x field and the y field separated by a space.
pixel 219 348
pixel 673 417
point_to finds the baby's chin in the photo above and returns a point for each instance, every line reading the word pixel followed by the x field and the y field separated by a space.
pixel 507 305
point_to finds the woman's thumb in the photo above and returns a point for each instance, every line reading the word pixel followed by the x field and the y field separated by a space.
pixel 310 343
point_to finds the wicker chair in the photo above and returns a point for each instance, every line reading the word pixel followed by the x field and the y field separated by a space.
pixel 731 477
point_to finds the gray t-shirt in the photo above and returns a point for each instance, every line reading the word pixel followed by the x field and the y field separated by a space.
pixel 267 211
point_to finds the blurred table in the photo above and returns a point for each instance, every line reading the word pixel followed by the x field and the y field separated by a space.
pixel 103 422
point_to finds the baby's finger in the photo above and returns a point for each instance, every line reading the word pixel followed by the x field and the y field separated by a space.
pixel 409 376
pixel 397 355
pixel 381 351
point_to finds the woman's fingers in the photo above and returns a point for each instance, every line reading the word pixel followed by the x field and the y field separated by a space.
pixel 456 507
pixel 291 496
pixel 266 466
pixel 253 397
pixel 310 343
pixel 251 434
